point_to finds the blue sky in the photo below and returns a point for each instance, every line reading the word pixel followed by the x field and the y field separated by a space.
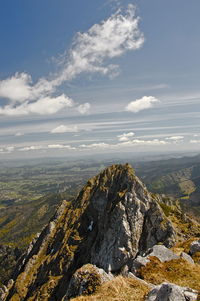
pixel 81 77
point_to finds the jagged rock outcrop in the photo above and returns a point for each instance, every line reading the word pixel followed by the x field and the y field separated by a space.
pixel 171 292
pixel 113 219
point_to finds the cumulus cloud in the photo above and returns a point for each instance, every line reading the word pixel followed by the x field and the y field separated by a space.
pixel 89 53
pixel 16 88
pixel 84 108
pixel 125 136
pixel 64 129
pixel 146 102
pixel 47 105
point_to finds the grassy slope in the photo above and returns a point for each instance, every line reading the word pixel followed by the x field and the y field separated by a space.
pixel 20 221
pixel 119 289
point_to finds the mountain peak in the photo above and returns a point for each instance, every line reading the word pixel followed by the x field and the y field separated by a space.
pixel 113 219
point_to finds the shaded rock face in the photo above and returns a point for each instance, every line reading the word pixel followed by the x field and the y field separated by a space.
pixel 171 292
pixel 8 260
pixel 112 220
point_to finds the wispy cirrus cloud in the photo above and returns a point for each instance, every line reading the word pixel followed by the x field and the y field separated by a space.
pixel 90 53
pixel 146 102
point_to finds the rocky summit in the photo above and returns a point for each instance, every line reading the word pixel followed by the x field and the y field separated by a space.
pixel 113 220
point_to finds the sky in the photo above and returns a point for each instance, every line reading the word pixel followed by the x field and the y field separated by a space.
pixel 92 77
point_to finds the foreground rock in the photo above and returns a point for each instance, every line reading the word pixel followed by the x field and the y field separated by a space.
pixel 162 253
pixel 86 280
pixel 171 292
pixel 113 219
pixel 195 247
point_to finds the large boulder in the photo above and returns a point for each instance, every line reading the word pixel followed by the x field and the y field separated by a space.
pixel 162 253
pixel 171 292
pixel 159 251
pixel 86 280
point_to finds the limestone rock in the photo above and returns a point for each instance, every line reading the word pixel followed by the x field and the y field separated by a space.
pixel 195 247
pixel 138 263
pixel 162 253
pixel 187 257
pixel 171 292
pixel 86 280
pixel 159 251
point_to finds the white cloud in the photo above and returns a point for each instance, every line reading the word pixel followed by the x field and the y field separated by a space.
pixel 109 39
pixel 84 108
pixel 46 105
pixel 64 129
pixel 7 149
pixel 153 142
pixel 125 144
pixel 194 141
pixel 44 147
pixel 18 134
pixel 100 145
pixel 125 136
pixel 60 146
pixel 175 138
pixel 16 88
pixel 146 102
pixel 30 148
pixel 89 52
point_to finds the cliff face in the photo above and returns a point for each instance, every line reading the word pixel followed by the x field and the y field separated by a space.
pixel 112 220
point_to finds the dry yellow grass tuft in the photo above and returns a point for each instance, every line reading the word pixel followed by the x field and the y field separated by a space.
pixel 177 271
pixel 118 289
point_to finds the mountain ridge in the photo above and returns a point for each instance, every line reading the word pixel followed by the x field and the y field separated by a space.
pixel 113 219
